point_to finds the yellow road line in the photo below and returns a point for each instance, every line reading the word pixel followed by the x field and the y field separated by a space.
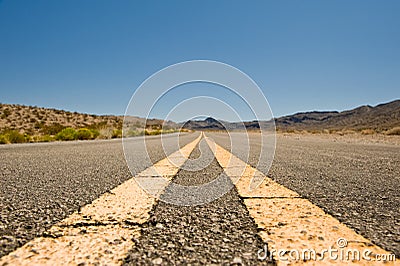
pixel 292 225
pixel 101 233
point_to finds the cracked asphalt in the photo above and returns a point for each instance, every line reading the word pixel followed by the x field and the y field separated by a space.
pixel 356 182
pixel 41 184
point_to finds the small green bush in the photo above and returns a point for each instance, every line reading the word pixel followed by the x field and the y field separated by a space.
pixel 66 134
pixel 28 138
pixel 46 138
pixel 83 134
pixel 14 136
pixel 152 132
pixel 117 133
pixel 42 138
pixel 168 131
pixel 95 133
pixel 3 139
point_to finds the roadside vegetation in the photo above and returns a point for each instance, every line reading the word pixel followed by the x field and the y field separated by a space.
pixel 69 134
pixel 24 124
pixel 146 132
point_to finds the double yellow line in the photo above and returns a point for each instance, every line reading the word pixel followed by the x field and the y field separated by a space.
pixel 101 233
pixel 290 223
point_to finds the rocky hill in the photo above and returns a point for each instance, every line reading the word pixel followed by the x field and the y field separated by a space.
pixel 38 120
pixel 380 118
pixel 20 123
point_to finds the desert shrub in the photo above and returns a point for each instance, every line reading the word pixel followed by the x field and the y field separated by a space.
pixel 117 133
pixel 393 131
pixel 105 133
pixel 6 113
pixel 83 134
pixel 95 133
pixel 159 131
pixel 30 131
pixel 39 124
pixel 3 139
pixel 66 134
pixel 133 133
pixel 118 125
pixel 46 138
pixel 86 134
pixel 152 132
pixel 167 131
pixel 42 138
pixel 368 132
pixel 14 136
pixel 52 129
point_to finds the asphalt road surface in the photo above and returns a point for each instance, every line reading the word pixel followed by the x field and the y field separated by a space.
pixel 40 184
pixel 43 183
pixel 220 232
pixel 357 183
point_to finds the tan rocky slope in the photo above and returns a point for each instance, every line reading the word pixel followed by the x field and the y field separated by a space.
pixel 20 123
pixel 380 118
pixel 38 120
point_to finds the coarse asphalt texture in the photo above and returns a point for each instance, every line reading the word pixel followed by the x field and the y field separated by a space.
pixel 41 184
pixel 220 232
pixel 356 182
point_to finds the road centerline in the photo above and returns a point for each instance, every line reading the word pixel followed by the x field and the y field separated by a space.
pixel 101 232
pixel 287 221
pixel 219 232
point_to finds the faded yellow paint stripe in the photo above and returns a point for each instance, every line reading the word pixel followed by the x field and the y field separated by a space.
pixel 291 224
pixel 101 233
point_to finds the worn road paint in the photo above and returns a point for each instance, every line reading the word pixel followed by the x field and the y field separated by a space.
pixel 289 223
pixel 101 232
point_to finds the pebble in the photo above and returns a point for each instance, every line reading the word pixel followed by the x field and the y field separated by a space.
pixel 237 260
pixel 159 225
pixel 157 261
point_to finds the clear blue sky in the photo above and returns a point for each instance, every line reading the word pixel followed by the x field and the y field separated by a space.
pixel 90 55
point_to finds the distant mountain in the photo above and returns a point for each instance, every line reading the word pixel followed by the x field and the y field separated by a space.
pixel 45 121
pixel 206 124
pixel 214 124
pixel 379 118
